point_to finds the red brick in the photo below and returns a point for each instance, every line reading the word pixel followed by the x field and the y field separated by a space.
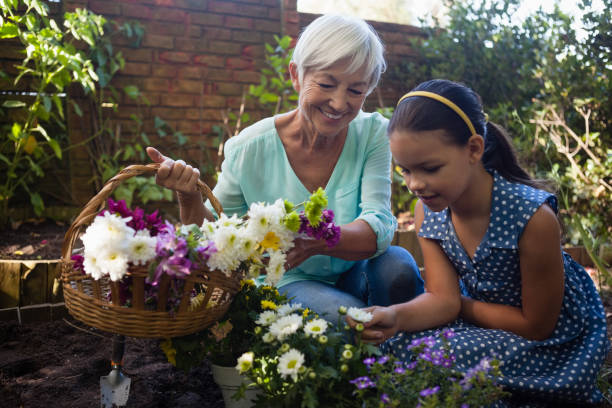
pixel 292 17
pixel 169 113
pixel 218 74
pixel 274 13
pixel 226 7
pixel 210 101
pixel 246 36
pixel 250 77
pixel 190 4
pixel 137 11
pixel 126 111
pixel 156 84
pixel 210 60
pixel 288 4
pixel 158 41
pixel 137 54
pixel 207 19
pixel 210 88
pixel 402 49
pixel 177 100
pixel 190 44
pixel 229 89
pixel 188 86
pixel 224 47
pixel 174 57
pixel 165 71
pixel 270 26
pixel 108 8
pixel 170 14
pixel 191 72
pixel 214 33
pixel 240 63
pixel 253 51
pixel 161 28
pixel 238 22
pixel 136 68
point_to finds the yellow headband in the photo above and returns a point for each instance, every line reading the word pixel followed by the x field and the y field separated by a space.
pixel 445 101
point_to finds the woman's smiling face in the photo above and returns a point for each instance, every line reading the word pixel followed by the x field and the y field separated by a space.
pixel 330 98
pixel 436 170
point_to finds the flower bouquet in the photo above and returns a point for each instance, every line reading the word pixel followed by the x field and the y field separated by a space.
pixel 141 276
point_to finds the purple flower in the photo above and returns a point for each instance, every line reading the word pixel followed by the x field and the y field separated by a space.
pixel 78 263
pixel 382 360
pixel 429 391
pixel 399 370
pixel 118 207
pixel 449 333
pixel 363 382
pixel 385 399
pixel 465 406
pixel 204 252
pixel 369 361
pixel 412 366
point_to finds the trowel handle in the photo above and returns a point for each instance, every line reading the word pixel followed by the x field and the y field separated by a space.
pixel 118 350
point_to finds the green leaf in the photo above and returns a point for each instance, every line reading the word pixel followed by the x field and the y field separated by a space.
pixel 37 203
pixel 77 108
pixel 56 148
pixel 13 104
pixel 59 105
pixel 9 30
pixel 132 91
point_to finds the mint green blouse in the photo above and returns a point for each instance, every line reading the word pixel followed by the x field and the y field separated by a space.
pixel 256 169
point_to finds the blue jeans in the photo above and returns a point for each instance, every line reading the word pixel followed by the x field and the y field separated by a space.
pixel 390 278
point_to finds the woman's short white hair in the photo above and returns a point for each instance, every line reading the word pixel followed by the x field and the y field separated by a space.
pixel 332 38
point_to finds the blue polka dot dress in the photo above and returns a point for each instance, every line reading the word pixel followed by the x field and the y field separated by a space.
pixel 563 367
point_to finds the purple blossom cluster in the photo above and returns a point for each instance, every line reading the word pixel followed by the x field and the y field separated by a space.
pixel 139 219
pixel 363 382
pixel 174 254
pixel 326 229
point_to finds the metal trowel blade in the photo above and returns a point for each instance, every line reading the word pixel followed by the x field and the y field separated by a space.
pixel 114 389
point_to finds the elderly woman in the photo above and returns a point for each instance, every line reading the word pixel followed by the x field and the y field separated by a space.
pixel 328 142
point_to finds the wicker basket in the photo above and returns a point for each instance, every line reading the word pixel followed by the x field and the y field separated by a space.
pixel 87 299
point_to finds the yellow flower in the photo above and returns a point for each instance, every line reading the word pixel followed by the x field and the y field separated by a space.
pixel 270 241
pixel 266 304
pixel 169 351
pixel 305 312
pixel 247 282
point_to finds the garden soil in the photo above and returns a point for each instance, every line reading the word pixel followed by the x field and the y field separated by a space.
pixel 59 363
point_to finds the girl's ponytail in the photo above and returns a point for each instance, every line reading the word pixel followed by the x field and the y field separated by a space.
pixel 500 155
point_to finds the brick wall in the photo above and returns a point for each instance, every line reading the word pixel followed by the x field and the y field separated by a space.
pixel 196 59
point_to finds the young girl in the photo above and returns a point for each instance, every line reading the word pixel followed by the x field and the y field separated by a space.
pixel 493 261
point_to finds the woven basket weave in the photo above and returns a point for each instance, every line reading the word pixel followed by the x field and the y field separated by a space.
pixel 88 300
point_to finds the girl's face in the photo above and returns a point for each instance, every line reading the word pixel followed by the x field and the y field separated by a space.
pixel 330 98
pixel 436 170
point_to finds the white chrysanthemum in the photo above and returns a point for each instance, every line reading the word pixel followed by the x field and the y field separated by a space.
pixel 359 315
pixel 226 237
pixel 286 326
pixel 268 337
pixel 141 248
pixel 266 318
pixel 287 308
pixel 208 229
pixel 246 246
pixel 114 263
pixel 224 261
pixel 245 362
pixel 289 363
pixel 90 264
pixel 225 221
pixel 276 267
pixel 105 230
pixel 316 327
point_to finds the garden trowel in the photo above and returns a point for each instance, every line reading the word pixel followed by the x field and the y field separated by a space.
pixel 115 387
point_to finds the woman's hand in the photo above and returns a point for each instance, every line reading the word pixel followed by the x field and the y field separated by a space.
pixel 175 175
pixel 303 249
pixel 384 324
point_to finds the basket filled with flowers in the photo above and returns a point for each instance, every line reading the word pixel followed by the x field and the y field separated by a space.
pixel 141 276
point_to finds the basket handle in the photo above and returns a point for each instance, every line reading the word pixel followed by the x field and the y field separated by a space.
pixel 98 202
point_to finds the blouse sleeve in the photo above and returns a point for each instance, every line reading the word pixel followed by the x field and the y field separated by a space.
pixel 228 190
pixel 376 186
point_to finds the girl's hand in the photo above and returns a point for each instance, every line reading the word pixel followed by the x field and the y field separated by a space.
pixel 384 324
pixel 175 175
